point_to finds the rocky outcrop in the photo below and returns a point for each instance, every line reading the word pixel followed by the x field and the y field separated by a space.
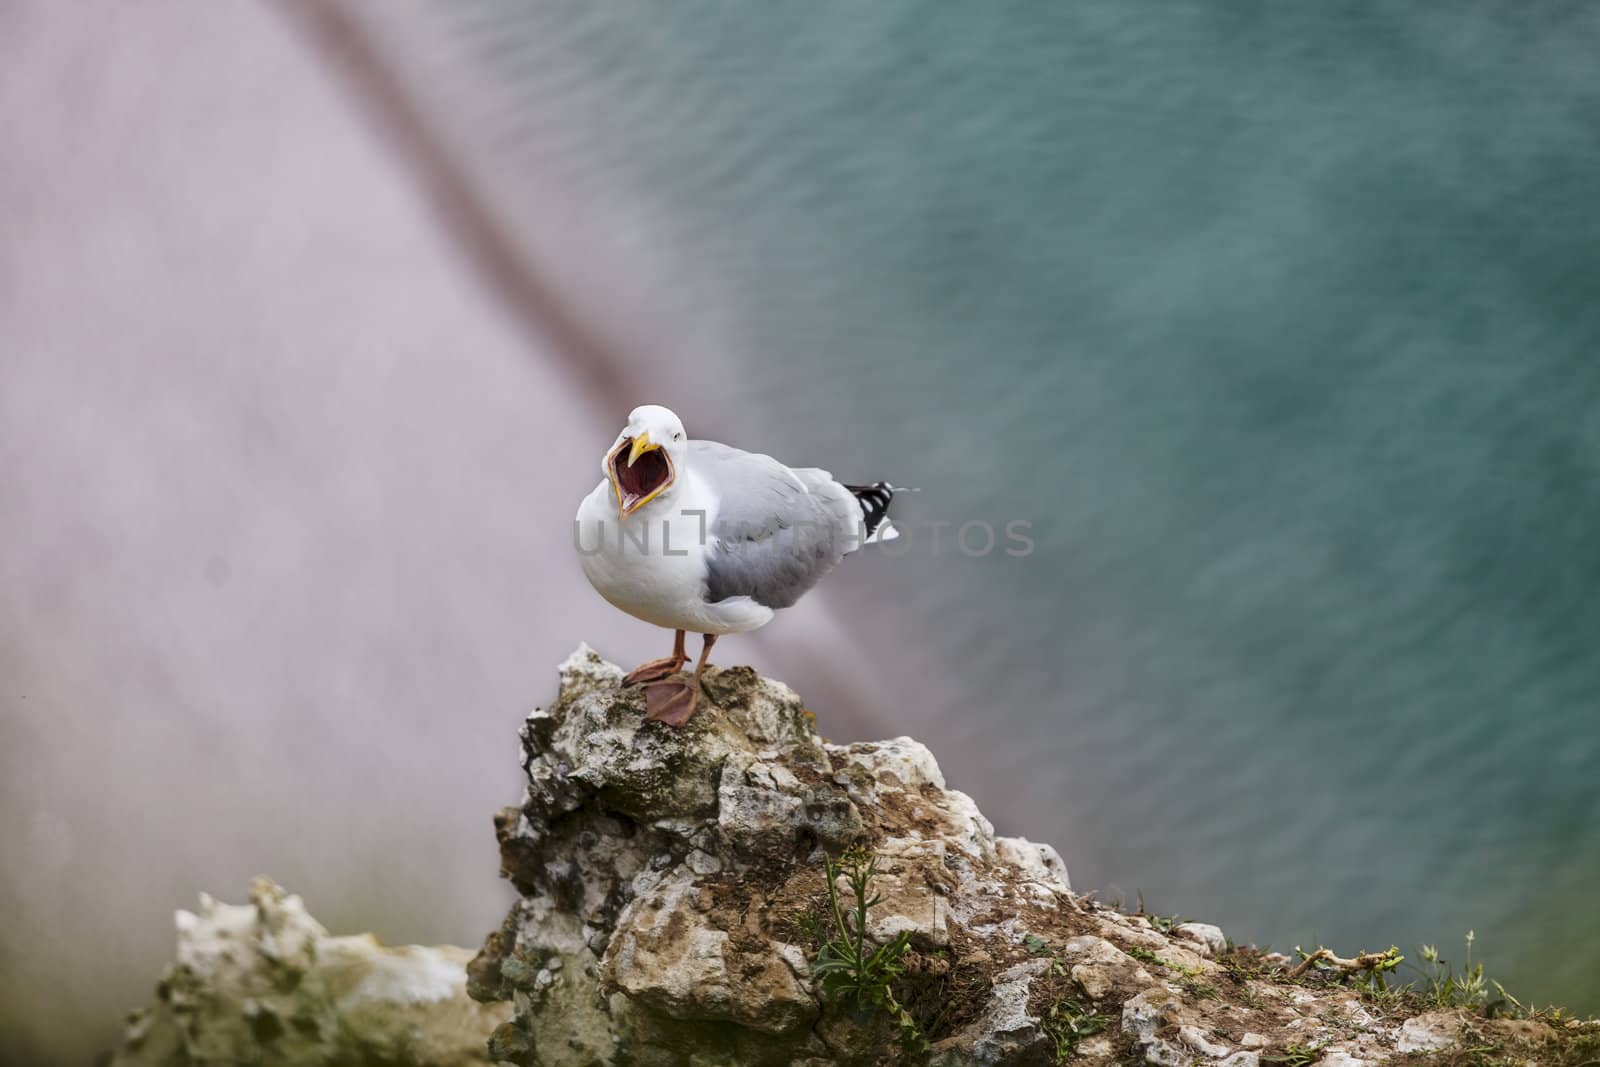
pixel 674 909
pixel 264 983
pixel 673 897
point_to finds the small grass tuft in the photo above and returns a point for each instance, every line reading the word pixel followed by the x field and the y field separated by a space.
pixel 1441 985
pixel 1163 923
pixel 1068 1022
pixel 1037 946
pixel 1295 1056
pixel 1449 989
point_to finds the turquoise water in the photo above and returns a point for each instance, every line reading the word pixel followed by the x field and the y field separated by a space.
pixel 1278 322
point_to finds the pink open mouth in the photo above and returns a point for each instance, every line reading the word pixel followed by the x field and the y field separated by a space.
pixel 650 473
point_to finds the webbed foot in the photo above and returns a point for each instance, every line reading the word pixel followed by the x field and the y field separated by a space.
pixel 671 701
pixel 655 670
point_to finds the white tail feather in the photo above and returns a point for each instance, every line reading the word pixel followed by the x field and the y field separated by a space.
pixel 884 532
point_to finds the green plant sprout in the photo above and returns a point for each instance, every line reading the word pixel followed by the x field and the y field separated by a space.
pixel 852 970
pixel 1296 1056
pixel 1446 988
pixel 1163 923
pixel 1068 1022
pixel 1144 955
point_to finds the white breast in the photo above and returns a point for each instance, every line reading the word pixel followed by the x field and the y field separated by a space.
pixel 652 564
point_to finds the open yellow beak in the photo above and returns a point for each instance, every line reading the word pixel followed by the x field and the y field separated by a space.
pixel 641 445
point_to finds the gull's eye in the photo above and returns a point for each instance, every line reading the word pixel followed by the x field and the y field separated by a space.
pixel 677 437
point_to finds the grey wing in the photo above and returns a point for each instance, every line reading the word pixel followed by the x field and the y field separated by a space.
pixel 778 530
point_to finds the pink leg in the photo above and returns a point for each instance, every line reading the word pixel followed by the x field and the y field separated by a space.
pixel 657 669
pixel 672 701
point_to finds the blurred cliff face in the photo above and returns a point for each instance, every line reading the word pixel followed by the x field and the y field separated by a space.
pixel 289 472
pixel 1277 330
pixel 249 399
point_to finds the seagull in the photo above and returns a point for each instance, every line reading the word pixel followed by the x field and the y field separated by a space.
pixel 699 536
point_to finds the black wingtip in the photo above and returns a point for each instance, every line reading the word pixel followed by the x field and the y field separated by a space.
pixel 874 500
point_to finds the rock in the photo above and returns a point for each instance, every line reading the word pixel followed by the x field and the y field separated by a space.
pixel 1340 1058
pixel 665 956
pixel 265 983
pixel 1210 938
pixel 677 872
pixel 1152 1015
pixel 1429 1033
pixel 1205 1043
pixel 1042 862
pixel 1098 966
pixel 672 901
pixel 1007 1030
pixel 672 893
